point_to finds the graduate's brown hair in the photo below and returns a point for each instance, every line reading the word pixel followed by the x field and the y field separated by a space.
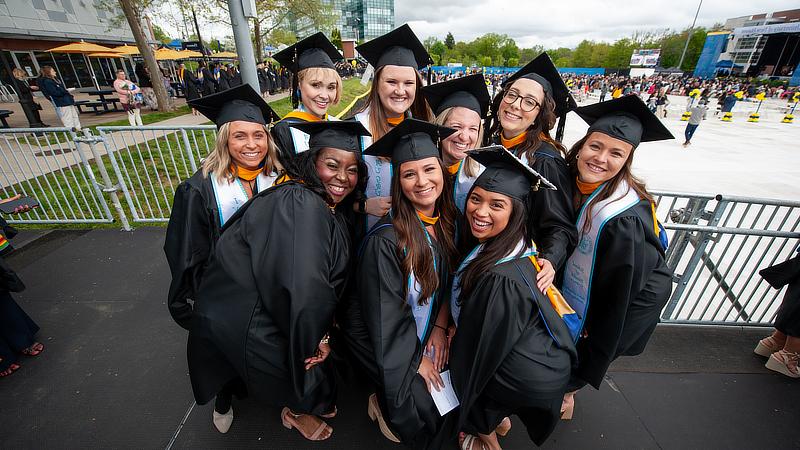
pixel 378 125
pixel 412 246
pixel 496 248
pixel 538 132
pixel 625 173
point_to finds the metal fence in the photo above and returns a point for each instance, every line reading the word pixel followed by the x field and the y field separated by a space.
pixel 129 174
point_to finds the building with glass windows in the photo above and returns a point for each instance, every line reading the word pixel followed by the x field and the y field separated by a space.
pixel 29 27
pixel 360 20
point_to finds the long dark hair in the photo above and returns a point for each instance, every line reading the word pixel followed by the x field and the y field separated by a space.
pixel 538 132
pixel 625 173
pixel 303 167
pixel 496 248
pixel 378 125
pixel 412 246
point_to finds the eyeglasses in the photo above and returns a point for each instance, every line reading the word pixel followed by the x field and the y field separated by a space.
pixel 527 104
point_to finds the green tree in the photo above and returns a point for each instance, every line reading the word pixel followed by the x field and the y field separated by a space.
pixel 436 48
pixel 160 35
pixel 559 53
pixel 599 54
pixel 336 38
pixel 509 51
pixel 527 55
pixel 619 54
pixel 512 62
pixel 449 41
pixel 582 55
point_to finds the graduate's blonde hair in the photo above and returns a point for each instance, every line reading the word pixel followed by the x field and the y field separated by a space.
pixel 324 75
pixel 471 167
pixel 220 163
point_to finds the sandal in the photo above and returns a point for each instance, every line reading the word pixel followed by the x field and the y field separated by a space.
pixel 289 420
pixel 504 427
pixel 11 369
pixel 34 349
pixel 468 441
pixel 374 413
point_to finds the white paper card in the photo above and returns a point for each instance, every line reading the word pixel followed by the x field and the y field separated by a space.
pixel 445 399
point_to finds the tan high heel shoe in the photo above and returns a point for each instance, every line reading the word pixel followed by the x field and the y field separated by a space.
pixel 374 413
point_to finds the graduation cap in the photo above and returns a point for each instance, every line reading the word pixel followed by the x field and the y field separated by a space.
pixel 543 71
pixel 468 92
pixel 412 140
pixel 399 47
pixel 626 118
pixel 343 135
pixel 313 51
pixel 239 103
pixel 506 174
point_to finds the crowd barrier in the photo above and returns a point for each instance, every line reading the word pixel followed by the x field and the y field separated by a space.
pixel 128 175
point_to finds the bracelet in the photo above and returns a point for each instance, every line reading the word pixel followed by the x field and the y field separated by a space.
pixel 443 328
pixel 325 339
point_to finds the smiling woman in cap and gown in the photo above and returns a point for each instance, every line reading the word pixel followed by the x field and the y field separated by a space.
pixel 460 104
pixel 523 113
pixel 267 299
pixel 512 351
pixel 616 280
pixel 402 280
pixel 316 86
pixel 243 163
pixel 396 57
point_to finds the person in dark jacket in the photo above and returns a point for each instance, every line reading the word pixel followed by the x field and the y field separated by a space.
pixel 62 100
pixel 208 85
pixel 25 94
pixel 263 83
pixel 17 329
pixel 189 83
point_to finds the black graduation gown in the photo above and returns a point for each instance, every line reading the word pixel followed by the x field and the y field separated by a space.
pixel 380 334
pixel 190 85
pixel 511 354
pixel 223 83
pixel 263 83
pixel 552 219
pixel 282 134
pixel 630 286
pixel 268 298
pixel 787 320
pixel 192 232
pixel 209 83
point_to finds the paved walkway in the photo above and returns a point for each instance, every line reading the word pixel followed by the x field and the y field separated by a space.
pixel 114 375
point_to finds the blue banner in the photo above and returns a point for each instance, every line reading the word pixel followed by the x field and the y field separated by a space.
pixel 707 62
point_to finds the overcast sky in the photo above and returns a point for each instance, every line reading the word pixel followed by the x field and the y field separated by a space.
pixel 564 23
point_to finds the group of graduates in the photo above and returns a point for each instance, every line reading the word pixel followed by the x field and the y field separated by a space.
pixel 215 77
pixel 437 229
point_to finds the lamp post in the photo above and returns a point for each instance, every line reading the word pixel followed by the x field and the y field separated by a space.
pixel 689 37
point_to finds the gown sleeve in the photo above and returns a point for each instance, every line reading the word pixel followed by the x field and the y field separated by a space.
pixel 554 228
pixel 301 297
pixel 187 246
pixel 392 331
pixel 620 273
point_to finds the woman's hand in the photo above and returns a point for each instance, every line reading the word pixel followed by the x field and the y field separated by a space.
pixel 546 275
pixel 378 206
pixel 438 347
pixel 323 350
pixel 430 374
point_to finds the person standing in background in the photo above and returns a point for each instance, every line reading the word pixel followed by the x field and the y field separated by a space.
pixel 698 112
pixel 25 94
pixel 62 100
pixel 130 97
